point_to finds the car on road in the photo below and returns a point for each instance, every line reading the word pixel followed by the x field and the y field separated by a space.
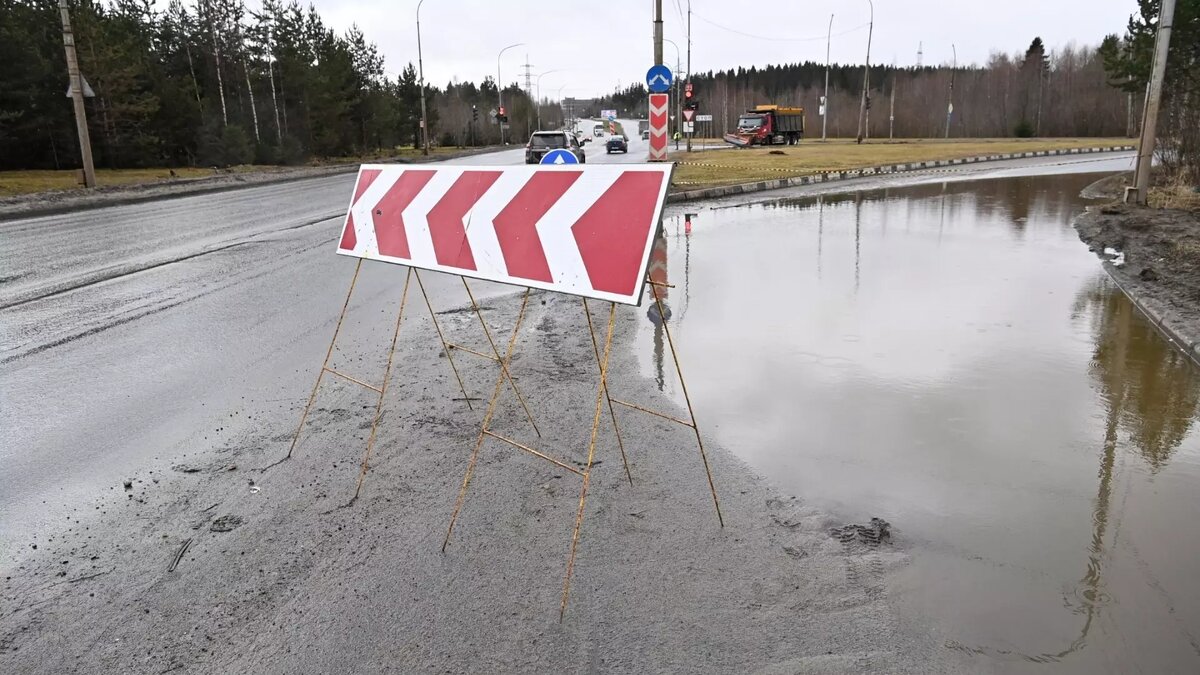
pixel 541 142
pixel 645 134
pixel 598 130
pixel 615 143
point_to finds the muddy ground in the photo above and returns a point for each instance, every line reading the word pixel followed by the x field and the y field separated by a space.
pixel 222 565
pixel 1154 254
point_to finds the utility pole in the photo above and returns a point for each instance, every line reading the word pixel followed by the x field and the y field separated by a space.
pixel 689 63
pixel 950 96
pixel 85 141
pixel 1162 44
pixel 421 67
pixel 862 106
pixel 825 98
pixel 658 33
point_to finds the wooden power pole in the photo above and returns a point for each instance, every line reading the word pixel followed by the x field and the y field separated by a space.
pixel 85 142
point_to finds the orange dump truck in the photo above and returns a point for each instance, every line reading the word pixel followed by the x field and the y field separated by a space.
pixel 768 125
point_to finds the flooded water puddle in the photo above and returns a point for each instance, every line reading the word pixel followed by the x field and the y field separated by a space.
pixel 952 359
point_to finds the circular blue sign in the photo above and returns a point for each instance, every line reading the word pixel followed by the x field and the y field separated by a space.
pixel 658 79
pixel 559 156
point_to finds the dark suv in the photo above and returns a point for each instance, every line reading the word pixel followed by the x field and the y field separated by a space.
pixel 542 142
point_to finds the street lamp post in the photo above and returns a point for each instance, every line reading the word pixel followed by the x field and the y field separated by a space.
pixel 421 68
pixel 862 106
pixel 500 87
pixel 825 111
pixel 538 102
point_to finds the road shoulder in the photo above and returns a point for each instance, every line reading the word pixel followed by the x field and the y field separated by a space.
pixel 1153 255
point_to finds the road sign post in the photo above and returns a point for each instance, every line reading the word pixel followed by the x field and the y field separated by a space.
pixel 659 120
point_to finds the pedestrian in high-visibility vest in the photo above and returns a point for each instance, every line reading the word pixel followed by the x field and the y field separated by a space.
pixel 677 137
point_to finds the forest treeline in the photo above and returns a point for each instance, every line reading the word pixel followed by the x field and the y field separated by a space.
pixel 212 83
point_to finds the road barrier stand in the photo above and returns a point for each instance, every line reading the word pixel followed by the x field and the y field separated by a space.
pixel 585 231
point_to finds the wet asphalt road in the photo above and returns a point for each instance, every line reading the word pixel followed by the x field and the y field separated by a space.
pixel 128 333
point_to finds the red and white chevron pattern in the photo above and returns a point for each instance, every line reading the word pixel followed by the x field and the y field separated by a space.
pixel 582 230
pixel 660 106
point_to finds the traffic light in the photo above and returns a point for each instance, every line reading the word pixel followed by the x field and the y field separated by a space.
pixel 474 113
pixel 692 104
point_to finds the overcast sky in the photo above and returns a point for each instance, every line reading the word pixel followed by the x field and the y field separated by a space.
pixel 598 44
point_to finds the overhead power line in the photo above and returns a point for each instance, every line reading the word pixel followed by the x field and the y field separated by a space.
pixel 777 39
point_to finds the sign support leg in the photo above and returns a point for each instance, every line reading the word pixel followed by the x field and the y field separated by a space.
pixel 587 473
pixel 487 418
pixel 503 362
pixel 607 394
pixel 688 400
pixel 387 370
pixel 445 347
pixel 325 363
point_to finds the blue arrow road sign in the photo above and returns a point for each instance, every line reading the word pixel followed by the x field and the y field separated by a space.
pixel 559 156
pixel 658 79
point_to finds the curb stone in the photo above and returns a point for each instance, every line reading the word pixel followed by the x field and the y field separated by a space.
pixel 1163 319
pixel 781 183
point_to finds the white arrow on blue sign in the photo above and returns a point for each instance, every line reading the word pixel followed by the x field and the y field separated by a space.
pixel 658 79
pixel 559 156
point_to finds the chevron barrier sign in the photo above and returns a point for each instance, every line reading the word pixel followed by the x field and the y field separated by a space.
pixel 581 230
pixel 660 104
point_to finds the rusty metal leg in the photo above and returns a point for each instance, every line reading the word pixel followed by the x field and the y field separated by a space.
pixel 607 393
pixel 691 413
pixel 325 363
pixel 387 370
pixel 496 352
pixel 487 418
pixel 445 347
pixel 587 473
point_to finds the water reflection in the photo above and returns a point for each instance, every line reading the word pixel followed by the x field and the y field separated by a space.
pixel 951 358
pixel 1150 386
pixel 1016 201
